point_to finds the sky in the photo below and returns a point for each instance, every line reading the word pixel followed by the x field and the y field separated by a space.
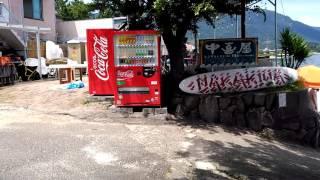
pixel 306 11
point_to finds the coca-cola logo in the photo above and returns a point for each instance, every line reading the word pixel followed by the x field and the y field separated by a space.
pixel 125 74
pixel 100 57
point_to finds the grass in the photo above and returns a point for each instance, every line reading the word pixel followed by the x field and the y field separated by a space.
pixel 295 86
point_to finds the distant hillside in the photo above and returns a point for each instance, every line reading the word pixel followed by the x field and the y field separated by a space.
pixel 256 27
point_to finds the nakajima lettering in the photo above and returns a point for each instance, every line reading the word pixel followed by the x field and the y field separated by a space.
pixel 100 57
pixel 238 80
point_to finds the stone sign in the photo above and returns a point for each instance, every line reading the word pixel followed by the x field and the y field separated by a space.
pixel 237 80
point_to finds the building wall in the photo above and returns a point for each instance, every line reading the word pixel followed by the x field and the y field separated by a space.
pixel 16 8
pixel 48 11
pixel 68 30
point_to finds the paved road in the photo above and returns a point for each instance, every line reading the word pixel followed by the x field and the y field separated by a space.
pixel 42 146
pixel 47 132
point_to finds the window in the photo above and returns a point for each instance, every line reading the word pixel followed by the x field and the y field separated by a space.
pixel 32 9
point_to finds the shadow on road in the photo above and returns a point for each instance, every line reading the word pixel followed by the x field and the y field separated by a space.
pixel 258 160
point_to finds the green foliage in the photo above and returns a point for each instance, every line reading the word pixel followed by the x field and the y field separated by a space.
pixel 106 8
pixel 203 8
pixel 295 86
pixel 61 8
pixel 181 15
pixel 72 9
pixel 105 13
pixel 295 49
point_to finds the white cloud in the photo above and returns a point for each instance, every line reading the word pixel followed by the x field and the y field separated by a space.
pixel 312 21
pixel 87 1
pixel 303 11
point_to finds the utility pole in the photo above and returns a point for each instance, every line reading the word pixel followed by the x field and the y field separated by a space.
pixel 243 18
pixel 237 26
pixel 275 32
pixel 196 47
pixel 38 52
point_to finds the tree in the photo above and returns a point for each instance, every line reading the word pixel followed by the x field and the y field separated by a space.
pixel 78 10
pixel 61 8
pixel 294 49
pixel 173 18
pixel 72 10
pixel 103 6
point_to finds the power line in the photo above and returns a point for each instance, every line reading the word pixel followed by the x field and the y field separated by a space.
pixel 282 7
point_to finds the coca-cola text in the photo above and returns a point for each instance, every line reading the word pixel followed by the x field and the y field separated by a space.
pixel 125 74
pixel 100 57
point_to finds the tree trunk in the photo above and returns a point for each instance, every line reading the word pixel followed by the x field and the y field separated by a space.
pixel 298 64
pixel 293 62
pixel 176 59
pixel 176 47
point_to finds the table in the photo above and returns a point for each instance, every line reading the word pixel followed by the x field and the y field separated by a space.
pixel 69 70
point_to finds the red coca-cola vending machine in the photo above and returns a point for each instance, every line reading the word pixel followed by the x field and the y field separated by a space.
pixel 137 68
pixel 100 61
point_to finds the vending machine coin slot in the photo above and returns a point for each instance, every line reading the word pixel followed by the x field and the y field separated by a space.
pixel 148 71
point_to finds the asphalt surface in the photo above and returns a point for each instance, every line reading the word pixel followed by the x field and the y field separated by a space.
pixel 40 146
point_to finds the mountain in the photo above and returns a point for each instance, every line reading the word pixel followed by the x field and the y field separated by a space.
pixel 257 27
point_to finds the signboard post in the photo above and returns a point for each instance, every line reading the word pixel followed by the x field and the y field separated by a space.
pixel 229 52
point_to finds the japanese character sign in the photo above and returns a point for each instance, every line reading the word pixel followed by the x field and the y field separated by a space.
pixel 212 47
pixel 224 52
pixel 229 49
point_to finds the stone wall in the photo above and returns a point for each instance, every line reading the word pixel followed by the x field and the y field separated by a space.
pixel 256 111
